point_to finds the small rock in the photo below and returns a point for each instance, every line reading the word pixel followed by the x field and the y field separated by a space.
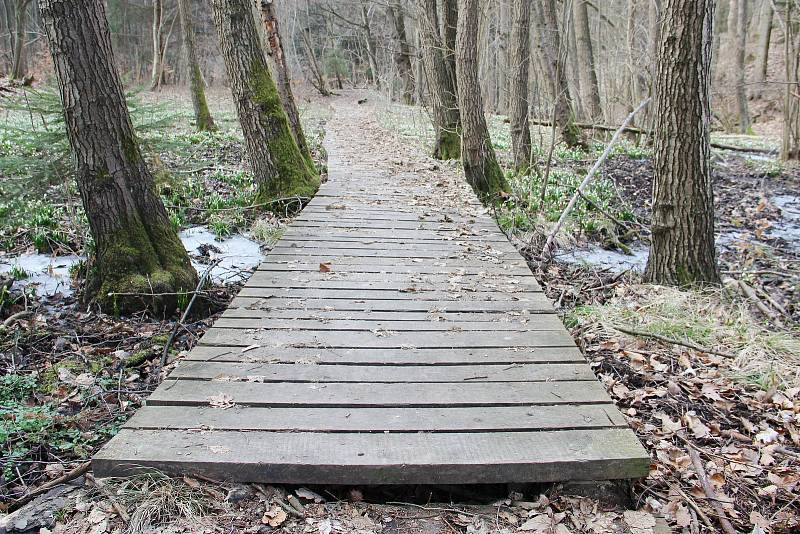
pixel 237 493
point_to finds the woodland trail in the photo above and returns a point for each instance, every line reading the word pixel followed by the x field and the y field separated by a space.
pixel 392 336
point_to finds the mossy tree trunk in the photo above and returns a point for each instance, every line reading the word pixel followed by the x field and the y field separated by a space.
pixel 682 250
pixel 519 61
pixel 283 79
pixel 202 116
pixel 441 82
pixel 477 154
pixel 139 261
pixel 279 167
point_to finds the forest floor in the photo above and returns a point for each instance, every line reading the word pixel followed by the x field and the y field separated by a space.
pixel 72 376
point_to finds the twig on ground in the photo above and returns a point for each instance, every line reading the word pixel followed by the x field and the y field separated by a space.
pixel 750 293
pixel 589 176
pixel 665 339
pixel 16 317
pixel 47 486
pixel 188 309
pixel 713 500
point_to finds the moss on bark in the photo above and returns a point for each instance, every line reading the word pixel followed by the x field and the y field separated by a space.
pixel 141 267
pixel 296 175
pixel 447 145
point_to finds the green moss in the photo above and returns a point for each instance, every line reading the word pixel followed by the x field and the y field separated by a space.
pixel 296 174
pixel 448 145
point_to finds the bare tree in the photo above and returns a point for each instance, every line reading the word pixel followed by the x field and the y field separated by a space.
pixel 441 82
pixel 402 53
pixel 553 60
pixel 202 116
pixel 519 108
pixel 741 87
pixel 18 59
pixel 764 40
pixel 158 45
pixel 139 261
pixel 588 74
pixel 283 79
pixel 480 163
pixel 682 250
pixel 280 169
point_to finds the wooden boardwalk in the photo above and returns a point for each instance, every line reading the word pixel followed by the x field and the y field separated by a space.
pixel 393 336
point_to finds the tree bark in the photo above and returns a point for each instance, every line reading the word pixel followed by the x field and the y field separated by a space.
pixel 283 79
pixel 741 88
pixel 441 83
pixel 19 65
pixel 372 56
pixel 588 74
pixel 139 261
pixel 682 250
pixel 518 84
pixel 279 168
pixel 402 55
pixel 790 146
pixel 202 116
pixel 764 40
pixel 553 60
pixel 477 155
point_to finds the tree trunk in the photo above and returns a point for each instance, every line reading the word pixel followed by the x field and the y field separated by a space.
pixel 372 56
pixel 19 65
pixel 518 84
pixel 764 40
pixel 790 146
pixel 318 80
pixel 158 44
pixel 441 84
pixel 139 261
pixel 202 116
pixel 682 250
pixel 283 79
pixel 477 155
pixel 279 168
pixel 553 61
pixel 741 88
pixel 402 55
pixel 589 85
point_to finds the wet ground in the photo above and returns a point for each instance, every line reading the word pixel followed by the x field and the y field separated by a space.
pixel 237 257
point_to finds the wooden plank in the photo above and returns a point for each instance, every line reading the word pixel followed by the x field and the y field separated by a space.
pixel 466 254
pixel 486 277
pixel 378 374
pixel 411 293
pixel 382 233
pixel 383 265
pixel 485 418
pixel 362 458
pixel 380 340
pixel 538 323
pixel 384 305
pixel 444 248
pixel 356 356
pixel 400 283
pixel 196 393
pixel 324 315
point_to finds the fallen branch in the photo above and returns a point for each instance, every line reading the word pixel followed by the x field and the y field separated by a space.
pixel 16 317
pixel 665 339
pixel 188 309
pixel 713 500
pixel 596 167
pixel 750 293
pixel 47 486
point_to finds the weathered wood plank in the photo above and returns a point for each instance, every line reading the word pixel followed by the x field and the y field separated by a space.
pixel 195 393
pixel 431 357
pixel 379 374
pixel 485 418
pixel 380 340
pixel 398 458
pixel 384 305
pixel 325 315
pixel 538 323
pixel 411 293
